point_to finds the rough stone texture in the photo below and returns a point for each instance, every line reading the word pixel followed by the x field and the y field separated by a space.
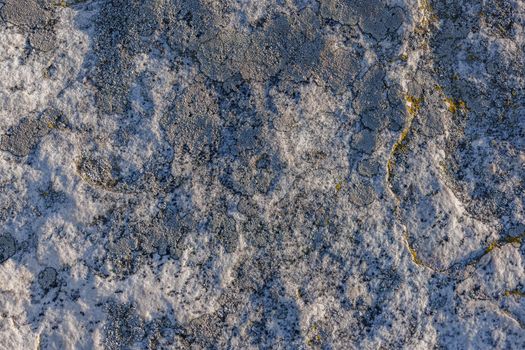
pixel 241 174
pixel 7 247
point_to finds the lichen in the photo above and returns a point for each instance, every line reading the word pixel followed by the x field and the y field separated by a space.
pixel 454 106
pixel 428 16
pixel 504 241
pixel 514 293
pixel 412 251
pixel 413 104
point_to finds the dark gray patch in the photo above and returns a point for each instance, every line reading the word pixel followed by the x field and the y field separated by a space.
pixel 123 30
pixel 7 247
pixel 364 141
pixel 245 178
pixel 47 278
pixel 42 40
pixel 373 120
pixel 225 230
pixel 220 55
pixel 123 327
pixel 373 16
pixel 343 11
pixel 28 14
pixel 98 171
pixel 247 206
pixel 51 196
pixel 368 167
pixel 372 103
pixel 361 193
pixel 499 16
pixel 192 126
pixel 124 255
pixel 340 66
pixel 257 233
pixel 379 20
pixel 285 44
pixel 24 137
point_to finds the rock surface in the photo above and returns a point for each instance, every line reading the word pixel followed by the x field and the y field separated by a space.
pixel 242 174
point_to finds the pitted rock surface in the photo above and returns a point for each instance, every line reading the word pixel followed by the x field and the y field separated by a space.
pixel 242 174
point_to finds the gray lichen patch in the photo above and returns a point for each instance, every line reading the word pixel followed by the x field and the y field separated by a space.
pixel 7 247
pixel 24 137
pixel 123 328
pixel 257 233
pixel 192 125
pixel 369 167
pixel 287 44
pixel 361 193
pixel 47 278
pixel 123 30
pixel 500 17
pixel 34 18
pixel 98 171
pixel 132 240
pixel 340 66
pixel 250 175
pixel 219 57
pixel 374 17
pixel 372 99
pixel 52 196
pixel 379 20
pixel 124 256
pixel 224 228
pixel 365 141
pixel 343 11
pixel 28 14
pixel 42 40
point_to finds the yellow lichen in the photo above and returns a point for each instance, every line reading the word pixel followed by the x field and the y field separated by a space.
pixel 451 105
pixel 298 294
pixel 314 339
pixel 514 293
pixel 389 168
pixel 427 13
pixel 66 3
pixel 491 247
pixel 412 104
pixel 338 186
pixel 504 241
pixel 455 105
pixel 401 144
pixel 413 252
pixel 513 239
pixel 60 3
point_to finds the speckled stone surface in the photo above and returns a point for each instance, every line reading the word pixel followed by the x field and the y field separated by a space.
pixel 262 174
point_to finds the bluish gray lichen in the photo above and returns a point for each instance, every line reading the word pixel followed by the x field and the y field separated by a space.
pixel 47 278
pixel 7 247
pixel 32 17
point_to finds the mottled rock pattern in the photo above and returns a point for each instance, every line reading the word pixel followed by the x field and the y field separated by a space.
pixel 199 174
